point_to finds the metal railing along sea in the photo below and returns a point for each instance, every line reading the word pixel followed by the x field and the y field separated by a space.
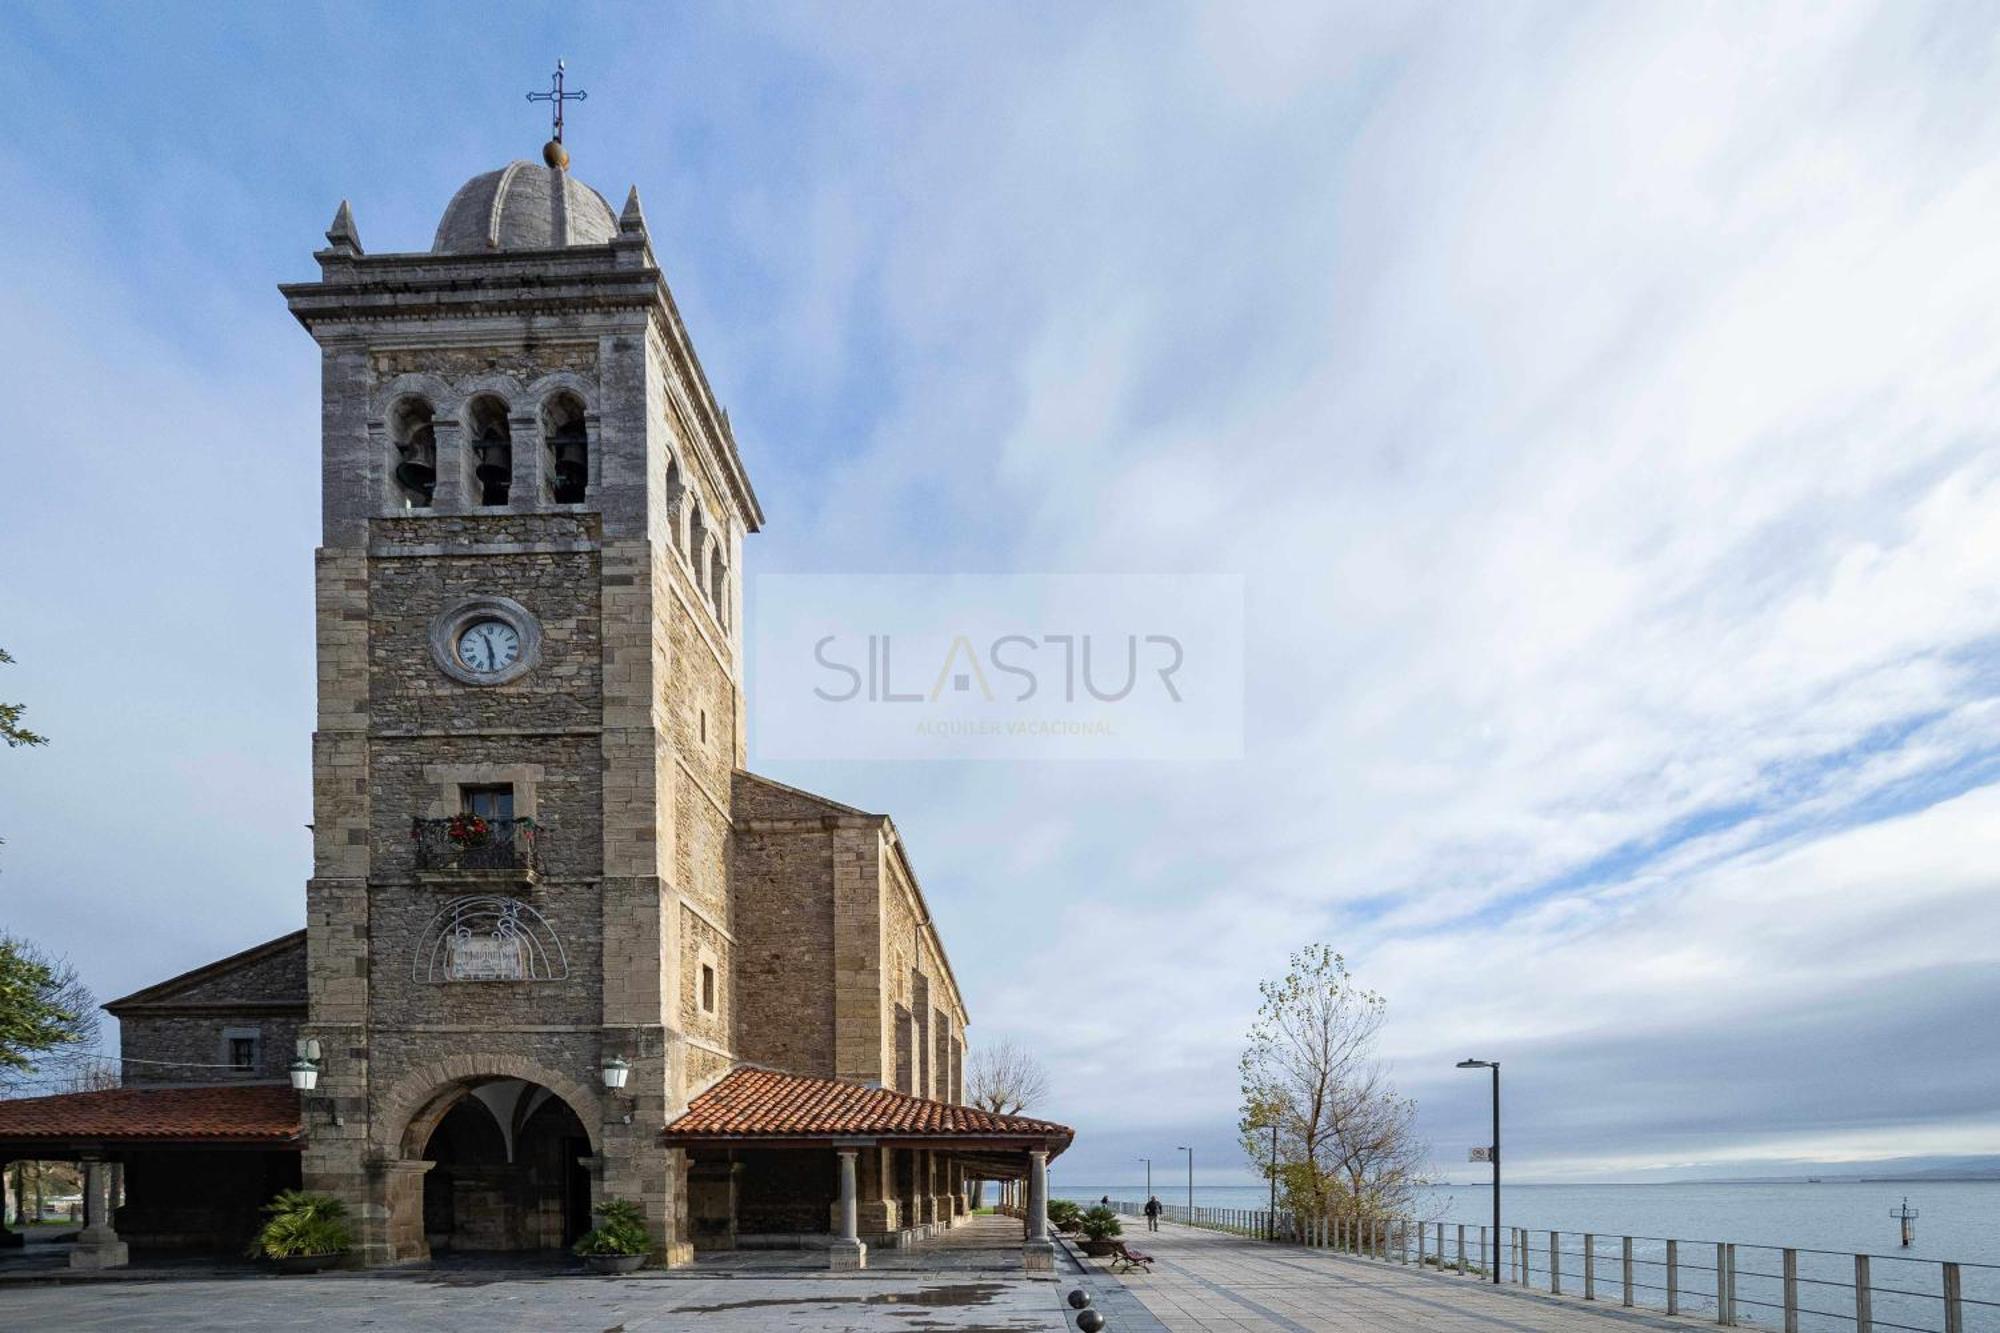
pixel 1738 1285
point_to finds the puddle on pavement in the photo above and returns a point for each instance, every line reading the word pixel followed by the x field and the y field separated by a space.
pixel 962 1296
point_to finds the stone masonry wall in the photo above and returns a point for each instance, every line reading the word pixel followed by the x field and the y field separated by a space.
pixel 192 1044
pixel 408 692
pixel 784 965
pixel 185 1027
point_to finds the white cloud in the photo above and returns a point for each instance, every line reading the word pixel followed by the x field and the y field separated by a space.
pixel 1602 403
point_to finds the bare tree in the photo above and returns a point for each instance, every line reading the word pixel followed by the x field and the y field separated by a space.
pixel 1345 1140
pixel 1005 1078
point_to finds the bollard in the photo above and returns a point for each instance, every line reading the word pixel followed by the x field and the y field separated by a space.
pixel 1673 1277
pixel 1791 1291
pixel 1625 1269
pixel 1590 1265
pixel 1555 1263
pixel 1954 1304
pixel 1864 1297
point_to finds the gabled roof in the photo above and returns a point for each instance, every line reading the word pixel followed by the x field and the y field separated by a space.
pixel 169 990
pixel 750 1103
pixel 263 1113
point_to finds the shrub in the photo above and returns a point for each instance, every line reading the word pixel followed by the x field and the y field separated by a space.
pixel 622 1231
pixel 1100 1223
pixel 1064 1215
pixel 303 1224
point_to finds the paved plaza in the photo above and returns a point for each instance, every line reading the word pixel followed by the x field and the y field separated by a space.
pixel 971 1281
pixel 815 1304
pixel 1206 1280
pixel 969 1278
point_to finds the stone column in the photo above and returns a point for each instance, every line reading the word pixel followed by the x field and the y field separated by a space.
pixel 927 1192
pixel 878 1204
pixel 10 1201
pixel 1038 1253
pixel 97 1245
pixel 848 1252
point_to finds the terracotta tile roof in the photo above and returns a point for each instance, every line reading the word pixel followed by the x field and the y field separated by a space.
pixel 754 1103
pixel 258 1113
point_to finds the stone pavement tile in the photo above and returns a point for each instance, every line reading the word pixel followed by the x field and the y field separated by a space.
pixel 811 1305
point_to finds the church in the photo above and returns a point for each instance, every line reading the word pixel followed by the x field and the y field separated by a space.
pixel 560 946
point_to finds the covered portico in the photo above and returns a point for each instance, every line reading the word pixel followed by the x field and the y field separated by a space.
pixel 805 1162
pixel 192 1164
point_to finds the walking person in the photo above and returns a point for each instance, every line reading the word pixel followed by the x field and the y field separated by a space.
pixel 1153 1213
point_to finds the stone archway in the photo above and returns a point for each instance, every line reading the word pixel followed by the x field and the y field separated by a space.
pixel 487 1156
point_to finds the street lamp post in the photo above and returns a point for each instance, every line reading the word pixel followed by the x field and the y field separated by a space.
pixel 1149 1175
pixel 1494 1153
pixel 1190 1153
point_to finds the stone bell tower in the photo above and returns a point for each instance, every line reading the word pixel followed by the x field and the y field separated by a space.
pixel 530 707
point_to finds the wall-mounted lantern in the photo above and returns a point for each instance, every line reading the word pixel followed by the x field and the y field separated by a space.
pixel 616 1070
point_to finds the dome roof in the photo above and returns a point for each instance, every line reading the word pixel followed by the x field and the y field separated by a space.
pixel 523 206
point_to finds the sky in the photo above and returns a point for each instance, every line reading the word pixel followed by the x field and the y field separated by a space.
pixel 1598 401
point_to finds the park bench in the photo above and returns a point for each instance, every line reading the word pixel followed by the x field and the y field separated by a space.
pixel 1125 1259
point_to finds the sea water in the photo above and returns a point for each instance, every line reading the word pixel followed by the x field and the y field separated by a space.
pixel 1828 1222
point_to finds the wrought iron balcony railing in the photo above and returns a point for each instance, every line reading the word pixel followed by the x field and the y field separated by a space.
pixel 470 843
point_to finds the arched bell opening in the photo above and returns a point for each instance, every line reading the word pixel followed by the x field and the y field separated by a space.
pixel 507 1172
pixel 492 449
pixel 415 464
pixel 568 464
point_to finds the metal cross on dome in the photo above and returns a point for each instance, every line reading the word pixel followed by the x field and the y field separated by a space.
pixel 556 95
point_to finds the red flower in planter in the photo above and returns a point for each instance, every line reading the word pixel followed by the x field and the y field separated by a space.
pixel 468 829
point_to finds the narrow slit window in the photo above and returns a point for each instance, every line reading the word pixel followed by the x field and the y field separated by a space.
pixel 707 989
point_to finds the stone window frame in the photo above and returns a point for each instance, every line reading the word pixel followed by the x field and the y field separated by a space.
pixel 449 623
pixel 708 964
pixel 230 1036
pixel 446 781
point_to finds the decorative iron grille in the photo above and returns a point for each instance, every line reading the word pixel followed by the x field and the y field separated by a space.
pixel 467 842
pixel 487 938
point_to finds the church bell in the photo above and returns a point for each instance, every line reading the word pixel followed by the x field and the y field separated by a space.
pixel 496 460
pixel 572 468
pixel 418 469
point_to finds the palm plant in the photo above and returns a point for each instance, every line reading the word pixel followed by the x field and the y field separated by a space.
pixel 621 1232
pixel 303 1225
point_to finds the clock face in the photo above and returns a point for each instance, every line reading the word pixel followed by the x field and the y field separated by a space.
pixel 489 646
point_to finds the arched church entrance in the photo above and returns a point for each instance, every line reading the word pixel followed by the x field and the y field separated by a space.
pixel 508 1168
